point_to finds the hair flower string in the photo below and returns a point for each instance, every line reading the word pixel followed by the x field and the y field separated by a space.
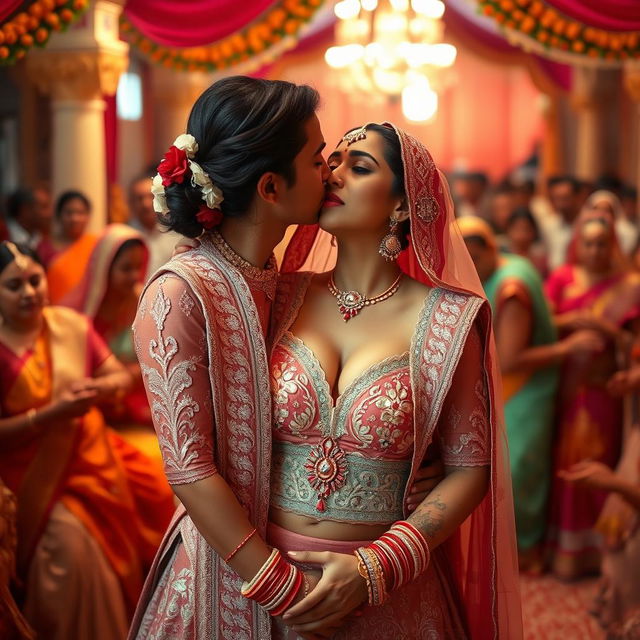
pixel 174 168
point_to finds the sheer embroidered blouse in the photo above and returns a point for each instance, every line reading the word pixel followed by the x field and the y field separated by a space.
pixel 170 341
pixel 350 460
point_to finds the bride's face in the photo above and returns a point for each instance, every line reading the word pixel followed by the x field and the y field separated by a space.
pixel 360 196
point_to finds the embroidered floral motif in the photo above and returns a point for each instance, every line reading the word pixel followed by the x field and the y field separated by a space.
pixel 186 303
pixel 172 409
pixel 287 382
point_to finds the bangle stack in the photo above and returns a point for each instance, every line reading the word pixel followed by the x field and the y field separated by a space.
pixel 396 558
pixel 275 585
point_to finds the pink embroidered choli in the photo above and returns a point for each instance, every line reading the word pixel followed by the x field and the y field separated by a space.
pixel 365 438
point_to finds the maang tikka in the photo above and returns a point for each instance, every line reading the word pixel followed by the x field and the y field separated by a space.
pixel 390 245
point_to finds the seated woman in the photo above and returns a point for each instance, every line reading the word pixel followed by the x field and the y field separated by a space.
pixel 108 294
pixel 91 509
pixel 594 291
pixel 66 253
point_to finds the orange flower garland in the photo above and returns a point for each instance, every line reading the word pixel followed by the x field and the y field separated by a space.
pixel 34 26
pixel 554 30
pixel 283 20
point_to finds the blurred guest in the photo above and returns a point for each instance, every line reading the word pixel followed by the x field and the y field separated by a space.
pixel 66 253
pixel 595 292
pixel 469 191
pixel 144 219
pixel 564 196
pixel 618 603
pixel 629 200
pixel 108 294
pixel 91 509
pixel 500 205
pixel 609 203
pixel 524 191
pixel 522 238
pixel 29 215
pixel 529 354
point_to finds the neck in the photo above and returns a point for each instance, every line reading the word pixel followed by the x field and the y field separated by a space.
pixel 252 240
pixel 25 329
pixel 360 267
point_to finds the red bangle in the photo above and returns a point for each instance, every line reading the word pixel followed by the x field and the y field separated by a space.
pixel 244 541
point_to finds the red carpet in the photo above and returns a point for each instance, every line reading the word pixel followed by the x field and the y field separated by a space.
pixel 554 610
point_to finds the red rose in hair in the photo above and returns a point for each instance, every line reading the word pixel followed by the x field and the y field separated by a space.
pixel 209 218
pixel 173 167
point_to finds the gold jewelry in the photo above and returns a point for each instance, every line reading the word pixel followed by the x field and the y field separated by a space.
pixel 355 135
pixel 350 303
pixel 22 261
pixel 390 245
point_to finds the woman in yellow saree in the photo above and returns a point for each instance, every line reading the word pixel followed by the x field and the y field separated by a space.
pixel 91 509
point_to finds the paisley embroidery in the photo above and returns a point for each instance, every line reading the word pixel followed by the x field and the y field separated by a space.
pixel 299 413
pixel 186 303
pixel 172 409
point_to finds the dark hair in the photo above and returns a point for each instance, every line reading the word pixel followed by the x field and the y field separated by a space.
pixel 479 240
pixel 562 179
pixel 628 191
pixel 523 213
pixel 393 157
pixel 7 257
pixel 127 244
pixel 244 128
pixel 67 196
pixel 18 199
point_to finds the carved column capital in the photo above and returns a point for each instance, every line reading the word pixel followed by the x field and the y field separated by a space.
pixel 76 75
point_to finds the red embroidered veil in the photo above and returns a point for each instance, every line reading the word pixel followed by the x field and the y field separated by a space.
pixel 483 551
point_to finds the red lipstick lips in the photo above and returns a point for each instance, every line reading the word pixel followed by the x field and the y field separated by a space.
pixel 332 200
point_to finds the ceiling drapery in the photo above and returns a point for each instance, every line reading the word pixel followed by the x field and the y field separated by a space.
pixel 578 31
pixel 248 34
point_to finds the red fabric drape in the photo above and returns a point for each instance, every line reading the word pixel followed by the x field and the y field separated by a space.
pixel 192 23
pixel 614 15
pixel 7 7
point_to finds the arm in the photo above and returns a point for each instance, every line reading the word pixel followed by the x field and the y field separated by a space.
pixel 168 338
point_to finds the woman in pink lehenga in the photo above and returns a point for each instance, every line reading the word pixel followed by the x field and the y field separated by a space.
pixel 593 291
pixel 368 385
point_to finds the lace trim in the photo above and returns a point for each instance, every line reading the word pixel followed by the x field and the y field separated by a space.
pixel 373 491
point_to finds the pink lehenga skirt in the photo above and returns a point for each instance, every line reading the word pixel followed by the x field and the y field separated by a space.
pixel 428 609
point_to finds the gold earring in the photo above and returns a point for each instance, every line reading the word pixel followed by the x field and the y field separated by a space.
pixel 390 245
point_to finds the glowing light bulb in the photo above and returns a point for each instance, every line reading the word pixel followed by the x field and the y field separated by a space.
pixel 419 101
pixel 347 9
pixel 338 57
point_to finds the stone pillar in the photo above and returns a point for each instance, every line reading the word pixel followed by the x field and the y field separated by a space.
pixel 632 85
pixel 175 93
pixel 77 69
pixel 595 100
pixel 552 156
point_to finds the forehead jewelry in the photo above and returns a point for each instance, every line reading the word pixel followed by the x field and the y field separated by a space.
pixel 22 261
pixel 354 136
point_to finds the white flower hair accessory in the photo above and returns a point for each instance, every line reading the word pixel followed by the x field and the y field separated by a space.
pixel 173 170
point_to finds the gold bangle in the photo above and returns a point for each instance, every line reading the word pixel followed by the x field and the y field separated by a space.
pixel 31 418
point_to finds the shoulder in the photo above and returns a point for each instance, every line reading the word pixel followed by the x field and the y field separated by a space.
pixel 57 314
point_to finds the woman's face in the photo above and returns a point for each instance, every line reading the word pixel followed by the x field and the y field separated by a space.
pixel 604 207
pixel 74 217
pixel 360 195
pixel 128 270
pixel 23 293
pixel 521 233
pixel 594 247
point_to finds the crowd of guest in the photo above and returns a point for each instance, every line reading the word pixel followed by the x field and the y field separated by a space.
pixel 561 275
pixel 560 270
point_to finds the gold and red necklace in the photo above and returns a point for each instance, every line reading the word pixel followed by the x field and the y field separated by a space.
pixel 351 303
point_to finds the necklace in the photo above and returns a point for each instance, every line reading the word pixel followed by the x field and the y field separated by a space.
pixel 351 303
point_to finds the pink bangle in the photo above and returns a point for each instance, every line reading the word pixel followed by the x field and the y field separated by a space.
pixel 244 541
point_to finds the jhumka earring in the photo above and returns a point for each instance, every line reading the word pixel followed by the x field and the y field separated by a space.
pixel 390 245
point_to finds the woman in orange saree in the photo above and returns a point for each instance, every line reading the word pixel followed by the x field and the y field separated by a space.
pixel 67 252
pixel 90 511
pixel 593 291
pixel 108 294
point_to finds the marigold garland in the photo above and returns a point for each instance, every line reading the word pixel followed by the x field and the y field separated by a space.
pixel 554 30
pixel 283 20
pixel 33 26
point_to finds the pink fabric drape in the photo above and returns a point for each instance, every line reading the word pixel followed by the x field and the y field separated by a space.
pixel 616 15
pixel 7 8
pixel 192 23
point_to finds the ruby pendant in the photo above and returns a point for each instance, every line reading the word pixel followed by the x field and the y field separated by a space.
pixel 326 466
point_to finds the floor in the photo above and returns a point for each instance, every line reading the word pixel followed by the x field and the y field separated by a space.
pixel 553 610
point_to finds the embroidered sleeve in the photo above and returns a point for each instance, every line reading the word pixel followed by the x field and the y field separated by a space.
pixel 168 332
pixel 464 427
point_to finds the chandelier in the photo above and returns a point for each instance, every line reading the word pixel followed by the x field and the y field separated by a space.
pixel 394 48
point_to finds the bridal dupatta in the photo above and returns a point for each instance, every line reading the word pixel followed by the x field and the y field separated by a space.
pixel 482 553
